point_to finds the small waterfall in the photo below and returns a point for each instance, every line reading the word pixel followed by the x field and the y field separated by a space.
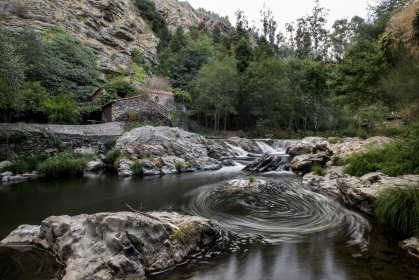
pixel 282 145
pixel 266 149
pixel 236 150
pixel 278 147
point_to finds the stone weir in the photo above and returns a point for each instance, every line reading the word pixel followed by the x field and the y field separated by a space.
pixel 124 245
pixel 19 138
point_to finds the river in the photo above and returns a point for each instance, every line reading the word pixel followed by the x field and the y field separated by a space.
pixel 284 232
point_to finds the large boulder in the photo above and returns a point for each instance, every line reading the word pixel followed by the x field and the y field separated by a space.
pixel 163 148
pixel 308 152
pixel 310 145
pixel 118 245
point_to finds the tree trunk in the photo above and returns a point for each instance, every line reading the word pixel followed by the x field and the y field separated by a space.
pixel 225 122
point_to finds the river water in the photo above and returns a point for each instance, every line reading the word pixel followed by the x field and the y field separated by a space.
pixel 283 232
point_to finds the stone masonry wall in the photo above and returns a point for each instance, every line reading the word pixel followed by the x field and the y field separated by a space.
pixel 143 109
pixel 24 138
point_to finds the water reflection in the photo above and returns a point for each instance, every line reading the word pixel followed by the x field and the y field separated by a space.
pixel 317 254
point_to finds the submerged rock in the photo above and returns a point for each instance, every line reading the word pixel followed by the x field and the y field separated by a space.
pixel 118 245
pixel 165 147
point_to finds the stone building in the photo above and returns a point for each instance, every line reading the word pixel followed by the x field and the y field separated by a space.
pixel 133 109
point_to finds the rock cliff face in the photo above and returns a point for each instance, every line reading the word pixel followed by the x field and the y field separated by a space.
pixel 113 28
pixel 110 27
pixel 181 13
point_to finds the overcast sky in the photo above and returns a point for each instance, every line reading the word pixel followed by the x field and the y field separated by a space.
pixel 284 10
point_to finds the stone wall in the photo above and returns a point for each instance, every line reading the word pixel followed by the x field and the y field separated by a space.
pixel 24 138
pixel 141 108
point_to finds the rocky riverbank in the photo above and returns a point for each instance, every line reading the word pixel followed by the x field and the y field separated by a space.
pixel 356 193
pixel 119 245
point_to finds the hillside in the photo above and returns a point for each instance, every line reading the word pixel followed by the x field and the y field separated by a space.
pixel 112 28
pixel 403 28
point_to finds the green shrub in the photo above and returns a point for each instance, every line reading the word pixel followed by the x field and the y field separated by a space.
pixel 63 164
pixel 139 74
pixel 189 165
pixel 112 157
pixel 25 163
pixel 137 168
pixel 338 161
pixel 121 88
pixel 179 166
pixel 399 208
pixel 62 109
pixel 93 112
pixel 251 179
pixel 106 98
pixel 110 144
pixel 181 96
pixel 317 169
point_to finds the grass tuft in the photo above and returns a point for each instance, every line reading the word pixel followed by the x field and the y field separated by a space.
pixel 112 157
pixel 317 169
pixel 338 161
pixel 179 166
pixel 399 208
pixel 251 179
pixel 137 169
pixel 186 230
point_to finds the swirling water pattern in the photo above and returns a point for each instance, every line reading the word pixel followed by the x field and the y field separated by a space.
pixel 282 211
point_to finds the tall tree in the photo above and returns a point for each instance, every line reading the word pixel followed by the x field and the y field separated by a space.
pixel 216 88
